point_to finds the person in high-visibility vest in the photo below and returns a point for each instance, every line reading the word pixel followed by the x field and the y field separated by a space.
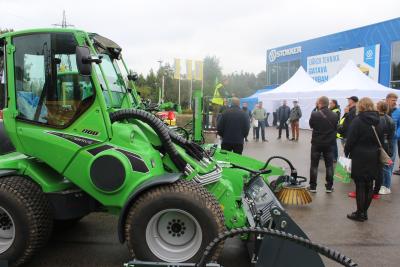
pixel 334 106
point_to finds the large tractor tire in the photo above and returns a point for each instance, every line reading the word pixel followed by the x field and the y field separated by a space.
pixel 174 223
pixel 25 219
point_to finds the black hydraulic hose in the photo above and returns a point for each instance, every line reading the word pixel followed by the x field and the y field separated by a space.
pixel 191 148
pixel 158 126
pixel 327 252
pixel 279 157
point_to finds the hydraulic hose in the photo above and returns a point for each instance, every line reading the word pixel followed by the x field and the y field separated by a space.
pixel 279 157
pixel 327 252
pixel 158 126
pixel 191 148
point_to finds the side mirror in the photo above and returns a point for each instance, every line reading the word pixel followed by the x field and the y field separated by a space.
pixel 82 54
pixel 133 76
pixel 84 60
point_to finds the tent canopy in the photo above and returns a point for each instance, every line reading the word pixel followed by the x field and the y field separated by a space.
pixel 350 81
pixel 252 100
pixel 290 90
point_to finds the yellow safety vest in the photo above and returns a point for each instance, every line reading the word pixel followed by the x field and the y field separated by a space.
pixel 217 99
pixel 341 121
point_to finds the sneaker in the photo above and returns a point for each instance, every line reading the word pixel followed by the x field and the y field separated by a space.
pixel 356 217
pixel 329 190
pixel 312 189
pixel 397 172
pixel 352 194
pixel 292 139
pixel 384 190
pixel 376 196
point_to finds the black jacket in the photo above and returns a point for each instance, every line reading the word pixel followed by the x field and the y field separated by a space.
pixel 347 122
pixel 323 123
pixel 386 125
pixel 362 145
pixel 247 111
pixel 234 125
pixel 283 113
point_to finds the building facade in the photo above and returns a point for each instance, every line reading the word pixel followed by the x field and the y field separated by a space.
pixel 374 48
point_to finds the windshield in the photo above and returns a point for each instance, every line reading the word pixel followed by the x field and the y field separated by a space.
pixel 115 81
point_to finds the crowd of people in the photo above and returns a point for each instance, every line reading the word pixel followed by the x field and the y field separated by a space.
pixel 365 130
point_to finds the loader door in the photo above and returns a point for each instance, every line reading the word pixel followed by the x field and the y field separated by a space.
pixel 57 111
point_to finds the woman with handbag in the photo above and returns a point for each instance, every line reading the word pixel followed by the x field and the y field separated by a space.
pixel 363 147
pixel 386 125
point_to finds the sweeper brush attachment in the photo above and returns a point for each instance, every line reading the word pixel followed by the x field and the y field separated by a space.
pixel 294 195
pixel 289 188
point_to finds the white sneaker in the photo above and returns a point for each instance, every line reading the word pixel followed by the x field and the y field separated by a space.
pixel 384 190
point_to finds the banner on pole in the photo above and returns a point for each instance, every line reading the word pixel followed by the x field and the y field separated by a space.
pixel 198 70
pixel 189 70
pixel 177 74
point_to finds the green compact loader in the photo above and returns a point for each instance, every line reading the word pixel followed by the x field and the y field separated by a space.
pixel 75 140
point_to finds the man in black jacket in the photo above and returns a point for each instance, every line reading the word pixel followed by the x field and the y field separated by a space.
pixel 233 127
pixel 323 123
pixel 283 116
pixel 344 130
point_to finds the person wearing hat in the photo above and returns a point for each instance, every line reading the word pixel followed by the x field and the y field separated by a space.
pixel 294 117
pixel 343 130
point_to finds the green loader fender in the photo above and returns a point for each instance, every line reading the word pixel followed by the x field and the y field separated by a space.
pixel 163 179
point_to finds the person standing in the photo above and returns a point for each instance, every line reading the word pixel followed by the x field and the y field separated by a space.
pixel 334 106
pixel 283 116
pixel 233 127
pixel 394 112
pixel 387 127
pixel 362 147
pixel 248 112
pixel 343 130
pixel 259 114
pixel 294 117
pixel 323 124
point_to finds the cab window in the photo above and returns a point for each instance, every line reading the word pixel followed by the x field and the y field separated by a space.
pixel 49 88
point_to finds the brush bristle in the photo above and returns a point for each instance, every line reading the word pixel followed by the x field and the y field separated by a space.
pixel 294 195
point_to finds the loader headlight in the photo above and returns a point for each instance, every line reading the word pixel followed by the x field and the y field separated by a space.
pixel 258 200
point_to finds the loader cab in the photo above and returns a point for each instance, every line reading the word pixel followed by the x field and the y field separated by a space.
pixel 51 105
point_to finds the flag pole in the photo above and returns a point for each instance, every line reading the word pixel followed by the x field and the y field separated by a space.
pixel 179 90
pixel 191 93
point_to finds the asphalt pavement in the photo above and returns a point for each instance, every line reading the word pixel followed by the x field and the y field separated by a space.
pixel 374 243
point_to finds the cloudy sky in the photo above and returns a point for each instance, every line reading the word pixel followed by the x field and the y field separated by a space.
pixel 236 32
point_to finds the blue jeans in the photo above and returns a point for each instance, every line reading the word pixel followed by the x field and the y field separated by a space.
pixel 388 170
pixel 261 126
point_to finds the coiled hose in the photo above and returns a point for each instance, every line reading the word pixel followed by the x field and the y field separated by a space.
pixel 158 126
pixel 327 252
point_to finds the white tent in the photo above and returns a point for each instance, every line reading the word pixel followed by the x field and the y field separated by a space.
pixel 291 90
pixel 350 81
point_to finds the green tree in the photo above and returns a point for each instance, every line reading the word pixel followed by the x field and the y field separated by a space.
pixel 211 72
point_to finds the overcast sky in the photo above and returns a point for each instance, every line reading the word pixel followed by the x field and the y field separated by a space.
pixel 236 32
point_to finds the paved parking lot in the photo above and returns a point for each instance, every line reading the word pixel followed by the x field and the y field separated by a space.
pixel 94 242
